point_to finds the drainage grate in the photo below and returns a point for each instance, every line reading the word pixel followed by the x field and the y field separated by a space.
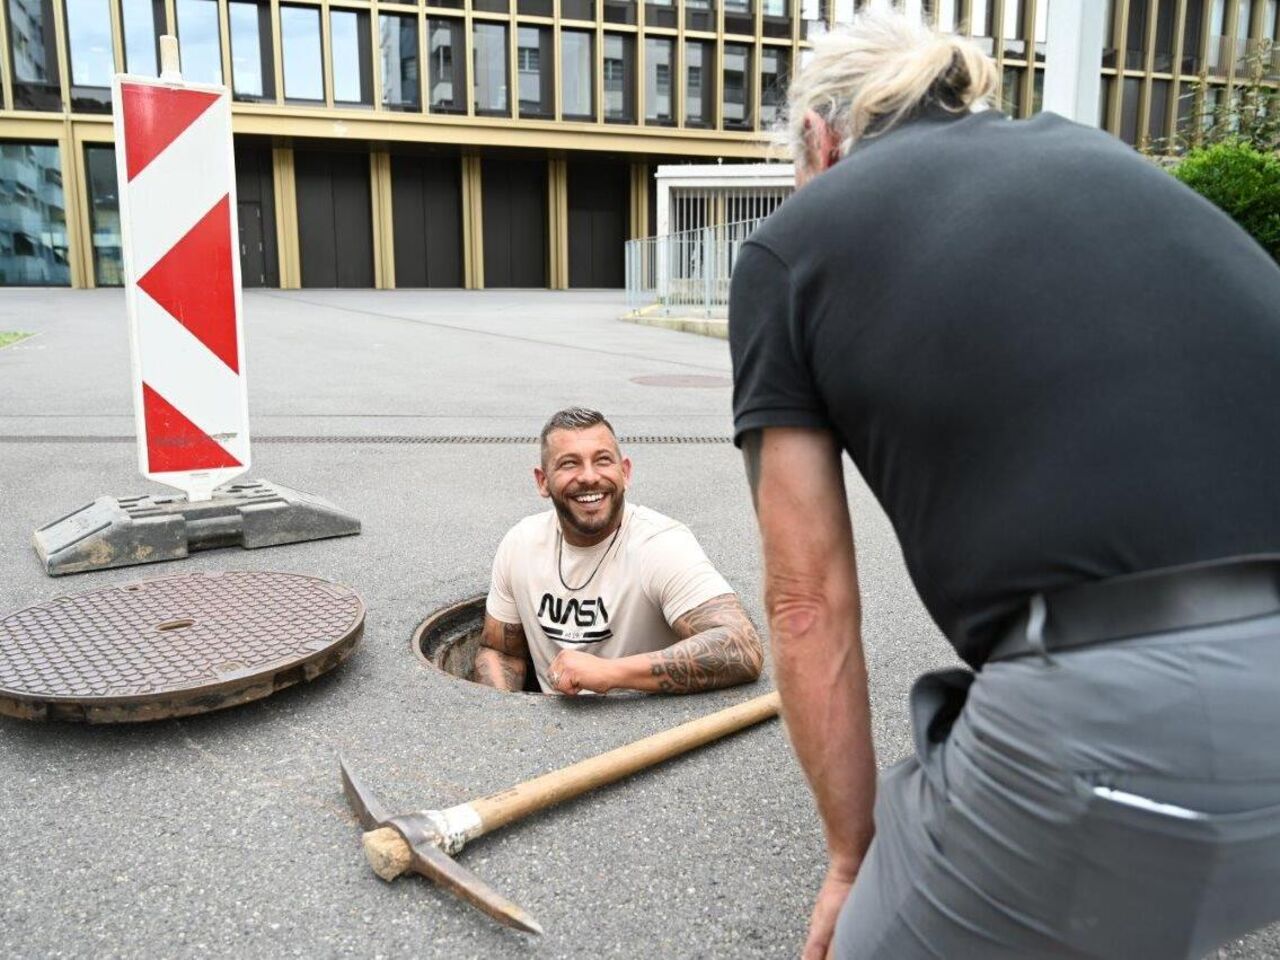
pixel 455 439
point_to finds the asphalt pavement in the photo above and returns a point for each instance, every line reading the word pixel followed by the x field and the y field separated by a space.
pixel 227 834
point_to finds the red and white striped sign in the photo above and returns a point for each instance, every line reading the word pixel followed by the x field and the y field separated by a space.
pixel 175 168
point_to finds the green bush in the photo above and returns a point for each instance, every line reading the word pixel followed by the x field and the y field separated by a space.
pixel 1243 182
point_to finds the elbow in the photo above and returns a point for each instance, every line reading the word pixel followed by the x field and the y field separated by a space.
pixel 804 614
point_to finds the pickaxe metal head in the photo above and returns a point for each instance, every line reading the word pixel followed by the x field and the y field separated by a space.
pixel 432 838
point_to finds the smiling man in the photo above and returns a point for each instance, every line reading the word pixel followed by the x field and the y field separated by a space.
pixel 603 594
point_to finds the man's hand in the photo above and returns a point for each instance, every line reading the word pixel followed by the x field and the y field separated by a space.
pixel 822 923
pixel 572 672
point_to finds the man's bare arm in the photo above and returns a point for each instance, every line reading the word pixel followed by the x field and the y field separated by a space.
pixel 814 609
pixel 718 647
pixel 500 661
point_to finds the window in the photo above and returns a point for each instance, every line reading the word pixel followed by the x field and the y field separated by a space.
pixel 659 62
pixel 139 20
pixel 300 39
pixel 1191 36
pixel 739 17
pixel 490 68
pixel 398 42
pixel 737 86
pixel 252 76
pixel 534 8
pixel 980 25
pixel 33 52
pixel 90 55
pixel 949 14
pixel 775 73
pixel 1217 39
pixel 700 15
pixel 617 11
pixel 619 78
pixel 1011 92
pixel 578 10
pixel 577 81
pixel 352 68
pixel 699 92
pixel 446 80
pixel 534 71
pixel 776 20
pixel 199 46
pixel 33 226
pixel 104 215
pixel 1158 118
pixel 660 13
pixel 1015 44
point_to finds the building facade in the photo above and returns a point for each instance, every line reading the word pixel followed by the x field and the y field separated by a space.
pixel 495 143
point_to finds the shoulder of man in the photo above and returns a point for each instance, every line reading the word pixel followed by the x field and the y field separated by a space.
pixel 648 525
pixel 534 527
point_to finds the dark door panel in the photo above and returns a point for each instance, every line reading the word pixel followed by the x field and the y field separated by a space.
pixel 426 194
pixel 253 261
pixel 599 193
pixel 335 219
pixel 514 193
pixel 255 187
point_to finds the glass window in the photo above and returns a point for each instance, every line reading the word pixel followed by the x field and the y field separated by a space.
pixel 619 78
pixel 252 76
pixel 700 15
pixel 776 20
pixel 352 68
pixel 199 47
pixel 90 54
pixel 1037 92
pixel 300 39
pixel 1163 62
pixel 578 10
pixel 660 13
pixel 737 86
pixel 446 79
pixel 492 6
pixel 1042 28
pixel 1158 119
pixel 775 72
pixel 1135 40
pixel 534 8
pixel 489 45
pixel 699 85
pixel 1191 36
pixel 33 223
pixel 33 52
pixel 139 20
pixel 535 72
pixel 577 80
pixel 104 215
pixel 398 41
pixel 659 76
pixel 949 14
pixel 812 19
pixel 980 25
pixel 1011 91
pixel 1013 36
pixel 1217 40
pixel 619 11
pixel 739 17
pixel 1129 110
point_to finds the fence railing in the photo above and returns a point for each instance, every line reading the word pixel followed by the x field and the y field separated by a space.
pixel 687 273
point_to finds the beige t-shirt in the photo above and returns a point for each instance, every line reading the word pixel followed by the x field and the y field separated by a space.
pixel 651 576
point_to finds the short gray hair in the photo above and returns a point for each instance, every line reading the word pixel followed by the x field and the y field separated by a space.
pixel 866 78
pixel 572 418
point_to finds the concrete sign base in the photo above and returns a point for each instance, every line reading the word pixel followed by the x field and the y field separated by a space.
pixel 123 532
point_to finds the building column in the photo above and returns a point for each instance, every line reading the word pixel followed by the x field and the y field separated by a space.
pixel 558 223
pixel 472 224
pixel 75 209
pixel 286 198
pixel 384 243
pixel 638 226
pixel 1071 77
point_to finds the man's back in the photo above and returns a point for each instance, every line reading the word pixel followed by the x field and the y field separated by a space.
pixel 1105 406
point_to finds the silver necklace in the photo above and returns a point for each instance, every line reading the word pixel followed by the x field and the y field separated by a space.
pixel 560 565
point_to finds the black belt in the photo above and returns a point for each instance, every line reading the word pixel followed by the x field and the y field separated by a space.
pixel 1158 601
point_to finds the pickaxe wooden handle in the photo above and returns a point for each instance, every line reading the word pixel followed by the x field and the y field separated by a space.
pixel 424 841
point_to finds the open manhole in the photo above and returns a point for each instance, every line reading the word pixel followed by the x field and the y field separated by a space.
pixel 449 638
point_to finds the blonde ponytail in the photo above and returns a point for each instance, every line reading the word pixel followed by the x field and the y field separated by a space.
pixel 864 79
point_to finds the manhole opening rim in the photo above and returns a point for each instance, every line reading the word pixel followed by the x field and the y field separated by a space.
pixel 441 616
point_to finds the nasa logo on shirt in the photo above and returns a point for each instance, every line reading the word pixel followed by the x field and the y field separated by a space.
pixel 574 621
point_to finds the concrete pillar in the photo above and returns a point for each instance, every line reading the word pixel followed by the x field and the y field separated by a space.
pixel 1073 62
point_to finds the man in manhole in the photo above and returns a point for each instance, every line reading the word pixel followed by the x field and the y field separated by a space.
pixel 603 594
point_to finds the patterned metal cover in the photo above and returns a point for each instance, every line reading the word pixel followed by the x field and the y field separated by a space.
pixel 173 646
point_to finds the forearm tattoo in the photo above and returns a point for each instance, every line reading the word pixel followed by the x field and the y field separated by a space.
pixel 751 443
pixel 718 648
pixel 500 660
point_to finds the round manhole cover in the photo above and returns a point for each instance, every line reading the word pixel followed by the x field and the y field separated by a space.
pixel 449 638
pixel 173 646
pixel 681 380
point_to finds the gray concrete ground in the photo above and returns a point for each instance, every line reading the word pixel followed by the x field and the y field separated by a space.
pixel 227 834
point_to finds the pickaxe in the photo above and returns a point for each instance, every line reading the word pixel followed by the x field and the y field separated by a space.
pixel 426 841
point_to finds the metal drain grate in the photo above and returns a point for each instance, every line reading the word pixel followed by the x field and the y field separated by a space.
pixel 455 439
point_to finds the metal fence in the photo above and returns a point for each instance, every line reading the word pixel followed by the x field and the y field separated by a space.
pixel 686 273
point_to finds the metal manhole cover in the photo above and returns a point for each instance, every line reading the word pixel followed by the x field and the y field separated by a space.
pixel 173 646
pixel 681 380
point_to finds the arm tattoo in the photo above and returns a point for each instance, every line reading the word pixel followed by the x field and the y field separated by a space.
pixel 751 443
pixel 718 648
pixel 500 660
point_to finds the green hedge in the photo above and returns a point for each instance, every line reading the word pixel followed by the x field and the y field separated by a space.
pixel 1242 181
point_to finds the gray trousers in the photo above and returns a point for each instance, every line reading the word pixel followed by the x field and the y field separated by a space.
pixel 994 841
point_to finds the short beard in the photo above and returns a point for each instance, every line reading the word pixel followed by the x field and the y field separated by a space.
pixel 565 512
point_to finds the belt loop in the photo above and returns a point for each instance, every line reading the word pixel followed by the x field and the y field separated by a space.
pixel 1037 613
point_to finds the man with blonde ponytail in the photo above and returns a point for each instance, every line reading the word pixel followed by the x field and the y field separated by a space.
pixel 1059 372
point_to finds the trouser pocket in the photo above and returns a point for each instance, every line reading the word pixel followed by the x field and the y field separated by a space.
pixel 1160 881
pixel 937 698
